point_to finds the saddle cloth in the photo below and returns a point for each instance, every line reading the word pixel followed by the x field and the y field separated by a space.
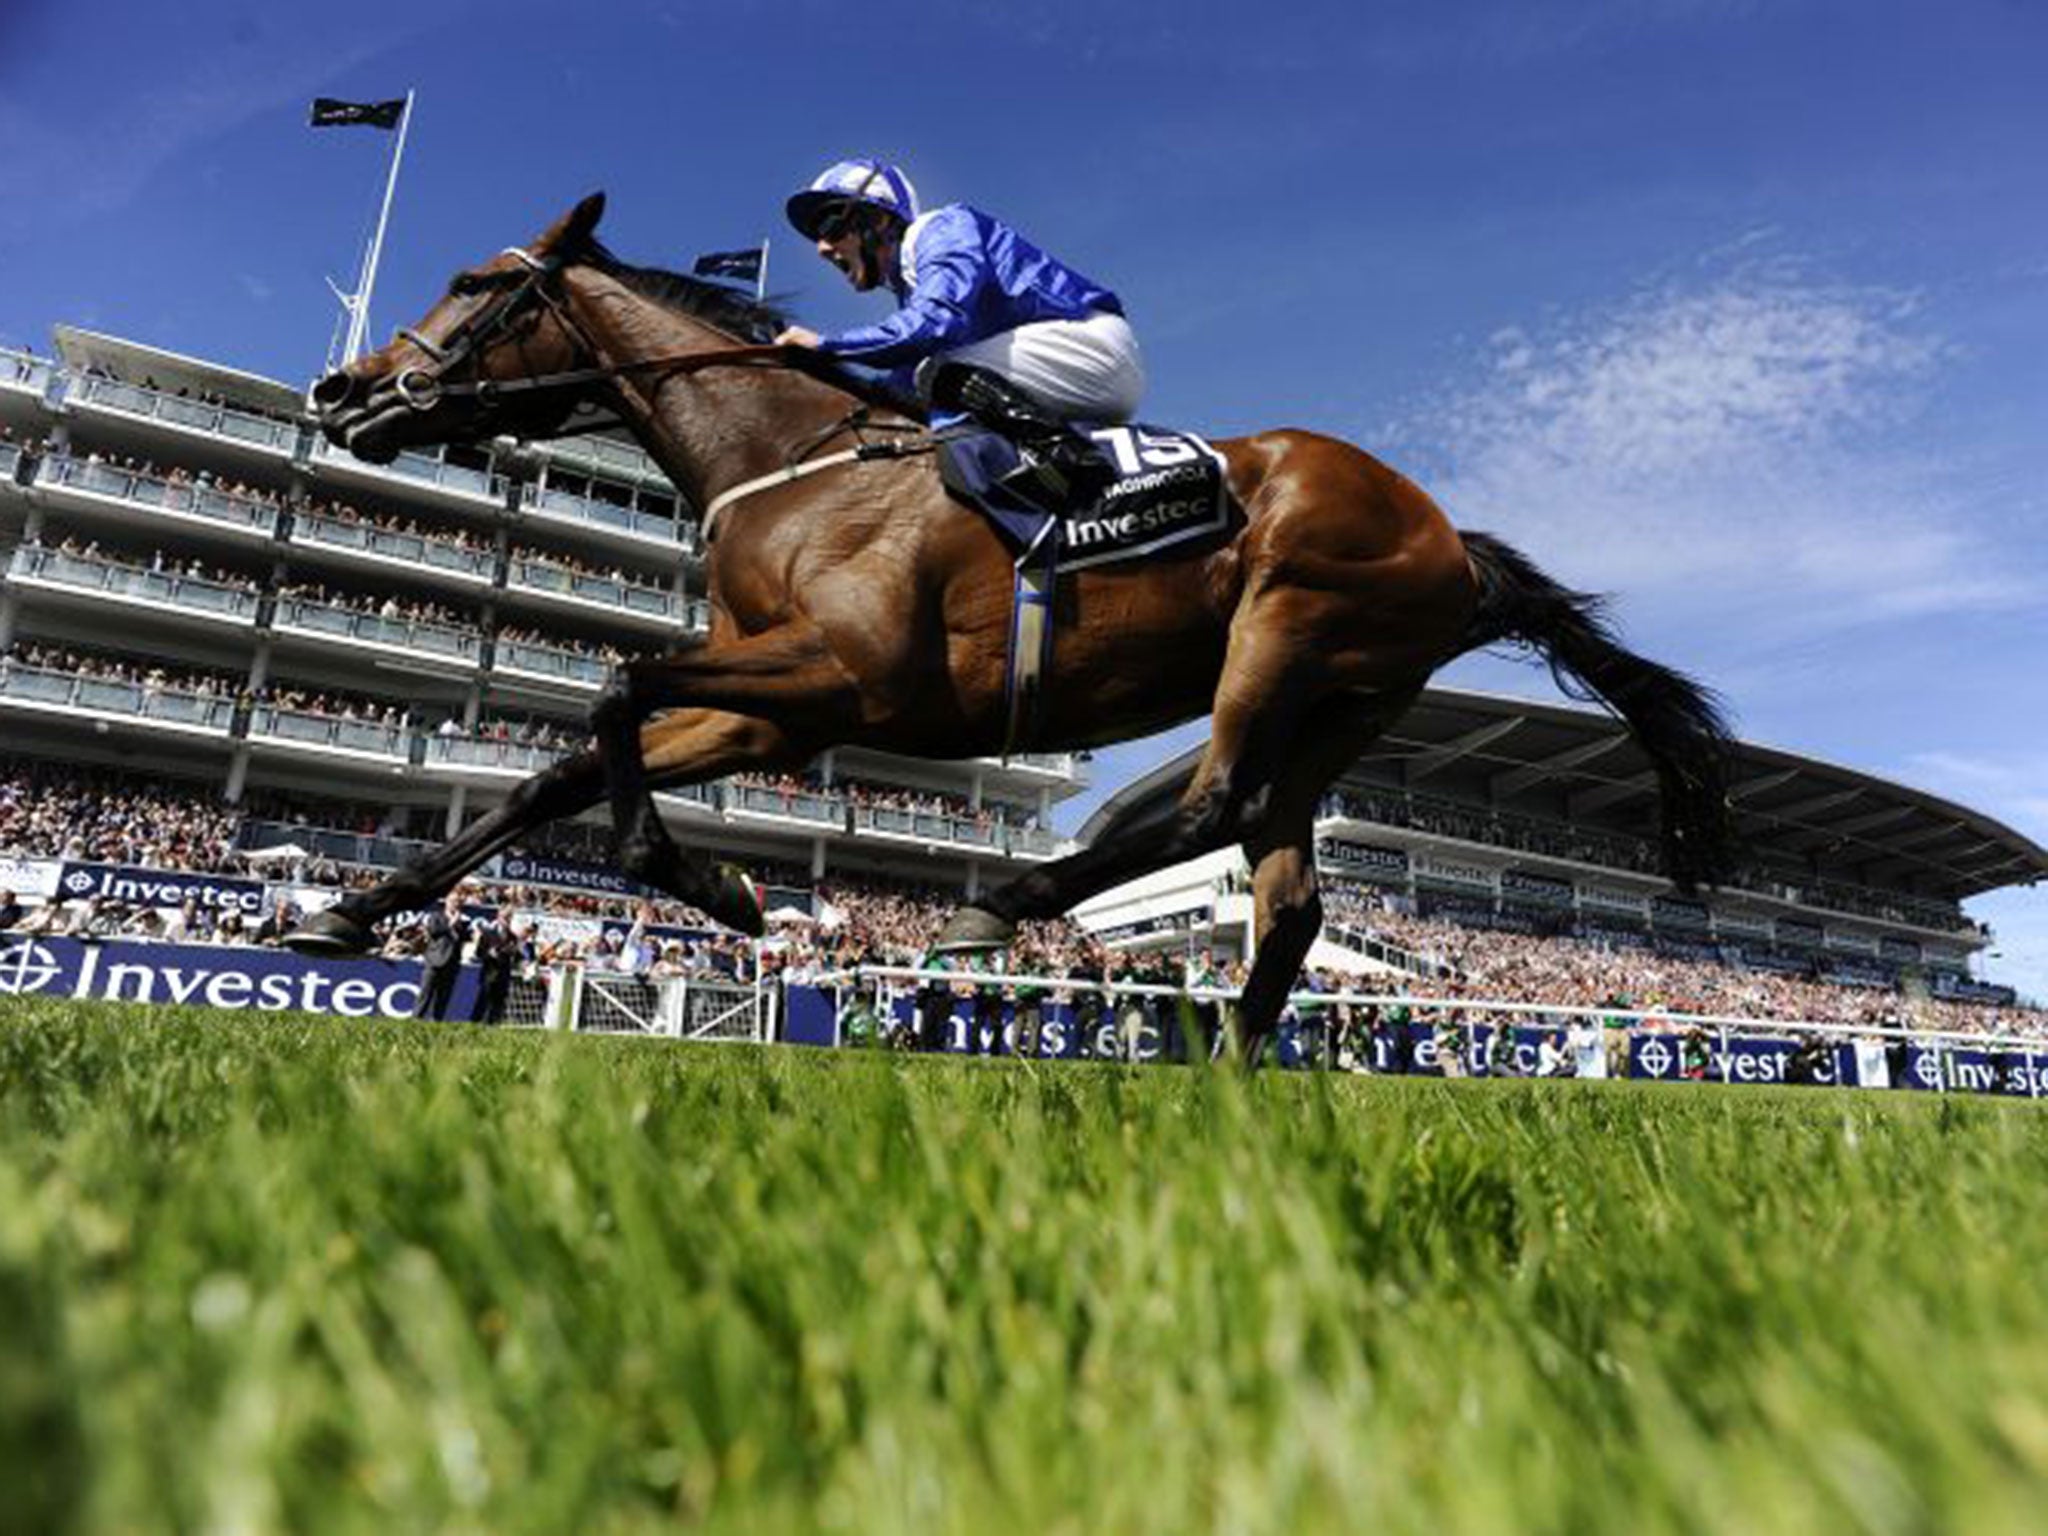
pixel 1169 491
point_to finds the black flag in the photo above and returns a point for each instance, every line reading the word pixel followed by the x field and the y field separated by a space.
pixel 329 113
pixel 745 266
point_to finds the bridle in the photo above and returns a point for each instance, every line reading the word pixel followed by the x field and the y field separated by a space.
pixel 531 283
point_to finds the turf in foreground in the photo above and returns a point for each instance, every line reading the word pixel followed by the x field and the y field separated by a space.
pixel 297 1275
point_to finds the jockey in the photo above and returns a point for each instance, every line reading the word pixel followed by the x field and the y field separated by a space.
pixel 990 327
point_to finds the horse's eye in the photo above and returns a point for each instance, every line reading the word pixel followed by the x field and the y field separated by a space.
pixel 463 285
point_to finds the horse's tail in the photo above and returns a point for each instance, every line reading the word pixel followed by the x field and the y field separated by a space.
pixel 1677 722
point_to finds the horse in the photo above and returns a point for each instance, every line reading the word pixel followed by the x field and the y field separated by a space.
pixel 854 602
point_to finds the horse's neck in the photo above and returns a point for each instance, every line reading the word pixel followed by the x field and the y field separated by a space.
pixel 709 430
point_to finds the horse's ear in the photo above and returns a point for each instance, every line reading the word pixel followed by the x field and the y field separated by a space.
pixel 575 226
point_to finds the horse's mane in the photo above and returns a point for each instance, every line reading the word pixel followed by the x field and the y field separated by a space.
pixel 740 315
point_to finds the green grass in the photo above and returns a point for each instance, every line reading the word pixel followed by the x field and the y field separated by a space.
pixel 300 1275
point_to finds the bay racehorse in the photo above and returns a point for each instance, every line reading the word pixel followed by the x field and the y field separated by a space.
pixel 860 605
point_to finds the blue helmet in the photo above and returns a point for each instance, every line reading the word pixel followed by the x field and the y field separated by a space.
pixel 874 182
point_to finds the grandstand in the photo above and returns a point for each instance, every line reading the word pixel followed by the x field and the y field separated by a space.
pixel 359 658
pixel 1508 815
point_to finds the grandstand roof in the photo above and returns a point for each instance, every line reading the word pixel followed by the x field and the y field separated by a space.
pixel 1563 763
pixel 172 371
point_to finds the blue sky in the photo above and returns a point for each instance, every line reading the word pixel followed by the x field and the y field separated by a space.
pixel 1738 309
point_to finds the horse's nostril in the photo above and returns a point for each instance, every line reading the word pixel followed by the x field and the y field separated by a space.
pixel 335 391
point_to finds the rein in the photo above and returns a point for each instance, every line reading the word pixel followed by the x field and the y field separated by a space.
pixel 679 362
pixel 422 390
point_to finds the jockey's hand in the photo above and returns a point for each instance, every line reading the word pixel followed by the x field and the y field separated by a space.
pixel 797 336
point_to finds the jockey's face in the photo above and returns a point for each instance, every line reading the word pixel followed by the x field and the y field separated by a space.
pixel 860 246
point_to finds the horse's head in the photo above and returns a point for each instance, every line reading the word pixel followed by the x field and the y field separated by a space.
pixel 441 380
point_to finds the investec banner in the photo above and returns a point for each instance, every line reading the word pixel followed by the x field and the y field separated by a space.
pixel 522 869
pixel 159 888
pixel 1851 1064
pixel 29 877
pixel 217 976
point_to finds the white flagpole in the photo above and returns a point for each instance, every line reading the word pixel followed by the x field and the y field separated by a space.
pixel 761 274
pixel 359 305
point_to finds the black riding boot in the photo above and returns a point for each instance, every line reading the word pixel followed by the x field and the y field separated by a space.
pixel 1062 467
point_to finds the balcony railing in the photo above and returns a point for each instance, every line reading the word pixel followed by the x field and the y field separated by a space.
pixel 24 370
pixel 419 635
pixel 195 415
pixel 112 696
pixel 801 805
pixel 706 795
pixel 268 722
pixel 527 574
pixel 928 826
pixel 486 752
pixel 606 453
pixel 193 593
pixel 426 469
pixel 185 497
pixel 570 667
pixel 1035 842
pixel 411 548
pixel 604 514
pixel 331 843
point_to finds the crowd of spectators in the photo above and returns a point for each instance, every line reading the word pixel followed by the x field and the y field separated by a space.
pixel 541 735
pixel 515 634
pixel 1497 829
pixel 1573 972
pixel 390 607
pixel 177 477
pixel 157 562
pixel 351 516
pixel 573 566
pixel 1527 834
pixel 866 794
pixel 333 704
pixel 110 668
pixel 83 814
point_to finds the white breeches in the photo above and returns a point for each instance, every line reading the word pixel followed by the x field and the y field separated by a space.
pixel 1088 370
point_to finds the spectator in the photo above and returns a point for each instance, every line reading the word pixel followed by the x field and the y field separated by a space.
pixel 443 934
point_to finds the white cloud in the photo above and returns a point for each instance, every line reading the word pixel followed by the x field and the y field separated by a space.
pixel 1742 443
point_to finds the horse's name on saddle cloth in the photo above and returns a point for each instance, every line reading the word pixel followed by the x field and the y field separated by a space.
pixel 1169 488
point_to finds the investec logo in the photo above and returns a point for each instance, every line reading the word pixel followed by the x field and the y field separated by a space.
pixel 27 967
pixel 1656 1057
pixel 170 891
pixel 262 981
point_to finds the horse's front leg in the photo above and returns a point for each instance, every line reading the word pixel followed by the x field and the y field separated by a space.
pixel 766 703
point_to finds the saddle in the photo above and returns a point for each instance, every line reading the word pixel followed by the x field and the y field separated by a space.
pixel 1169 491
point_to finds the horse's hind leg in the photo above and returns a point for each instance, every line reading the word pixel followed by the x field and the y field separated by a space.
pixel 1287 909
pixel 1275 671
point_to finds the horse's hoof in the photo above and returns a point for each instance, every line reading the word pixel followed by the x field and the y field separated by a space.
pixel 736 902
pixel 970 929
pixel 332 932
